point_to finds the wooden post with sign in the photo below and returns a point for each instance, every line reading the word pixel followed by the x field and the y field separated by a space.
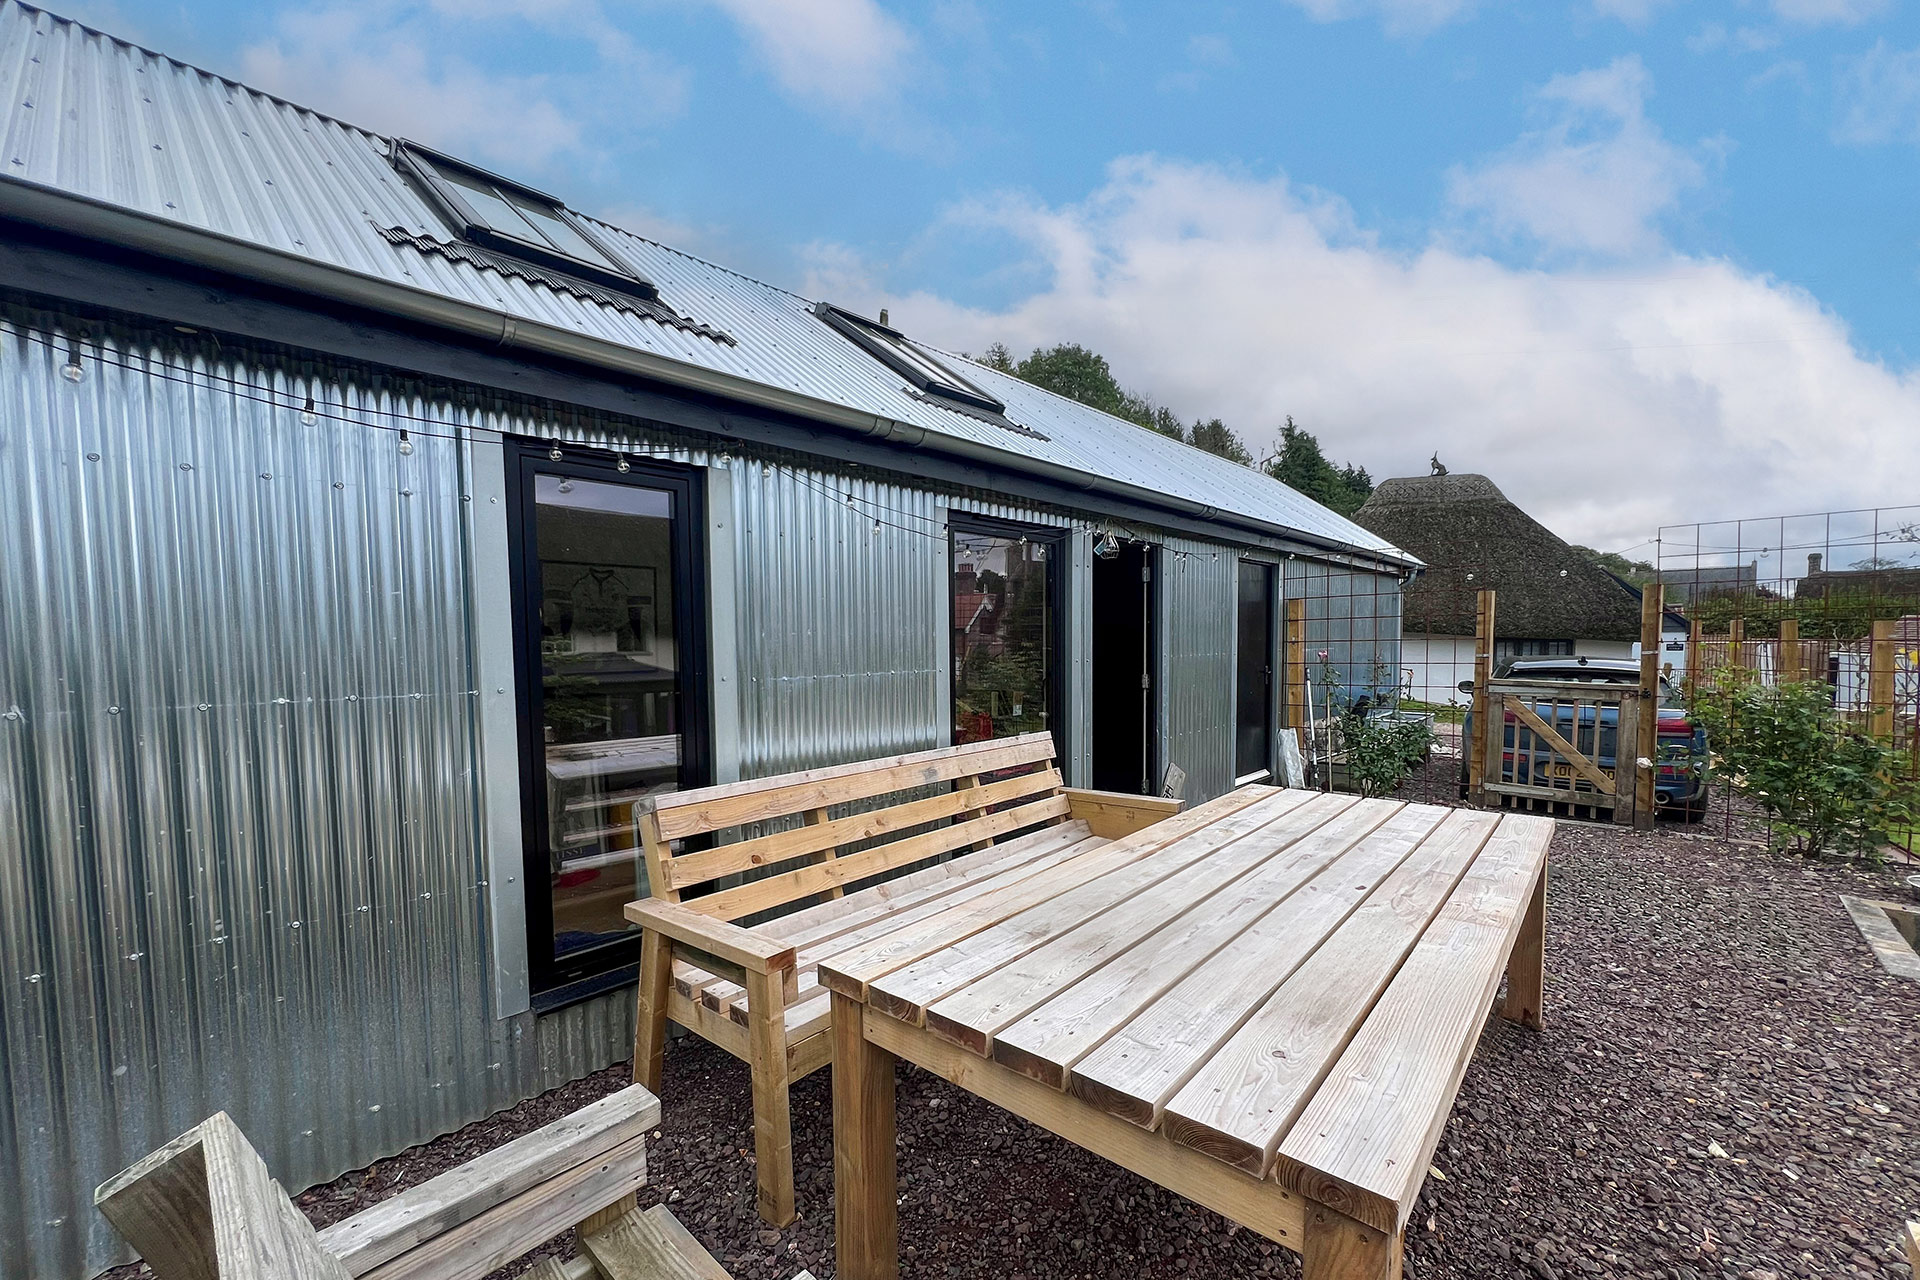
pixel 1880 659
pixel 1482 703
pixel 1653 601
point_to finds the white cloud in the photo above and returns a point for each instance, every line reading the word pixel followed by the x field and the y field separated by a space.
pixel 393 74
pixel 1879 96
pixel 843 53
pixel 1594 179
pixel 1399 17
pixel 1815 13
pixel 1683 389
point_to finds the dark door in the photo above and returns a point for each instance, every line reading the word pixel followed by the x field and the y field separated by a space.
pixel 1253 747
pixel 1123 693
pixel 611 631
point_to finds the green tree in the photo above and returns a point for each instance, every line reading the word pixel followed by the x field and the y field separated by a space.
pixel 1300 464
pixel 1638 572
pixel 1072 371
pixel 1217 438
pixel 998 357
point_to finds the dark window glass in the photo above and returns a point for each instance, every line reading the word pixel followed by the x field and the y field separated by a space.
pixel 1253 743
pixel 611 691
pixel 1006 634
pixel 522 216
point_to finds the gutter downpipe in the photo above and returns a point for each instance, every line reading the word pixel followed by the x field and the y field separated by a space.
pixel 131 229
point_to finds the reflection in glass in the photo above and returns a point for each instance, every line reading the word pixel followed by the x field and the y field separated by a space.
pixel 609 689
pixel 1004 635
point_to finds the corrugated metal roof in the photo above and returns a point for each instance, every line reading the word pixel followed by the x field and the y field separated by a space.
pixel 92 116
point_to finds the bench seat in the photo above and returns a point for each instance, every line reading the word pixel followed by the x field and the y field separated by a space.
pixel 877 845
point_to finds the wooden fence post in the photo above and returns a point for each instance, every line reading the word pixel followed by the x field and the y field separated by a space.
pixel 1696 655
pixel 1736 642
pixel 1793 659
pixel 1295 654
pixel 1653 607
pixel 1880 682
pixel 1482 705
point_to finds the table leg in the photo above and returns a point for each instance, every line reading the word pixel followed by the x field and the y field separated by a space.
pixel 1527 966
pixel 1336 1247
pixel 866 1213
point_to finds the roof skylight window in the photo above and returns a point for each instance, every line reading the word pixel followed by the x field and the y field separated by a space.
pixel 505 216
pixel 891 348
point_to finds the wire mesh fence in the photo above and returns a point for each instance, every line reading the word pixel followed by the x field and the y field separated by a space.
pixel 1829 600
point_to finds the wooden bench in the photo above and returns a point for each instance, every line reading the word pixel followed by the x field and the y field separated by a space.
pixel 754 991
pixel 204 1207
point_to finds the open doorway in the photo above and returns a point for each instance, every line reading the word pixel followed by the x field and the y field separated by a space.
pixel 1123 686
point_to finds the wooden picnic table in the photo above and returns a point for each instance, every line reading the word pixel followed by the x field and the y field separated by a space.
pixel 1264 1004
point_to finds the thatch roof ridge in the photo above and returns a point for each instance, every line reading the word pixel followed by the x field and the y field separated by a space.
pixel 1472 536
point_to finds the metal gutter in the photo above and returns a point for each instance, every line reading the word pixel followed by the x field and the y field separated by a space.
pixel 131 229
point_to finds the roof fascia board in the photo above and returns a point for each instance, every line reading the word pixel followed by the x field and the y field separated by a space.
pixel 92 220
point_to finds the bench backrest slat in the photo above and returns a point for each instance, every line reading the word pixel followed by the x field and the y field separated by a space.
pixel 692 813
pixel 806 860
pixel 817 877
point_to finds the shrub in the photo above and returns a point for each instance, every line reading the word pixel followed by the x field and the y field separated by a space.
pixel 1381 752
pixel 1827 787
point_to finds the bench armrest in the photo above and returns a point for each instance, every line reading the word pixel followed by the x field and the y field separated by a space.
pixel 716 937
pixel 1114 814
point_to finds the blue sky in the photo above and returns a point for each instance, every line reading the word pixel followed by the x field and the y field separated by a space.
pixel 1501 231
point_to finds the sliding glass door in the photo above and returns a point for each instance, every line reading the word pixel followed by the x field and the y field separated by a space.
pixel 1005 594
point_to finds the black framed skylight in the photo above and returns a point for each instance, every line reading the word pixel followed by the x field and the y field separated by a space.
pixel 512 218
pixel 891 348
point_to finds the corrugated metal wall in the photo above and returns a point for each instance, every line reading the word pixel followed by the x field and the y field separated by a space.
pixel 1198 591
pixel 243 856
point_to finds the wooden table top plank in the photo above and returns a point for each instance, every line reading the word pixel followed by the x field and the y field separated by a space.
pixel 1138 1068
pixel 726 997
pixel 850 971
pixel 1363 1143
pixel 906 992
pixel 1068 1024
pixel 971 1015
pixel 1245 1096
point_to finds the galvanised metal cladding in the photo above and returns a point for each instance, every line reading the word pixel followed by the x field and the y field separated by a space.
pixel 239 858
pixel 1200 583
pixel 840 618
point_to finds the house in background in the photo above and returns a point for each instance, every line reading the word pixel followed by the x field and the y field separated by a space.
pixel 1685 585
pixel 1552 601
pixel 376 532
pixel 1886 582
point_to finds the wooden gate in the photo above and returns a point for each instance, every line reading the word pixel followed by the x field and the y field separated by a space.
pixel 1566 746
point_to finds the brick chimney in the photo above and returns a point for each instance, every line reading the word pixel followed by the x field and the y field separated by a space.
pixel 1813 563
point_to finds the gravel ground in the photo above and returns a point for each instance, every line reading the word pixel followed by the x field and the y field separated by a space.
pixel 1729 1086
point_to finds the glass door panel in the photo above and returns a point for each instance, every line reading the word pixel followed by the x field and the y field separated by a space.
pixel 609 709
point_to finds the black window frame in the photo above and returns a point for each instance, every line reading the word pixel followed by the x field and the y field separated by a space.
pixel 892 348
pixel 424 165
pixel 1055 537
pixel 554 981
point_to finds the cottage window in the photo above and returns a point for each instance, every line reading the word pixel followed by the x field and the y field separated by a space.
pixel 612 713
pixel 505 216
pixel 1005 591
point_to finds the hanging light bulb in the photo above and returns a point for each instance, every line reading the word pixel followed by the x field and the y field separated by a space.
pixel 876 524
pixel 554 452
pixel 621 464
pixel 849 499
pixel 308 416
pixel 406 443
pixel 71 370
pixel 566 486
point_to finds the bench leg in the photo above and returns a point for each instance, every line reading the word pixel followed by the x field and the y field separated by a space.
pixel 1338 1248
pixel 1527 966
pixel 650 1015
pixel 772 1124
pixel 866 1211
